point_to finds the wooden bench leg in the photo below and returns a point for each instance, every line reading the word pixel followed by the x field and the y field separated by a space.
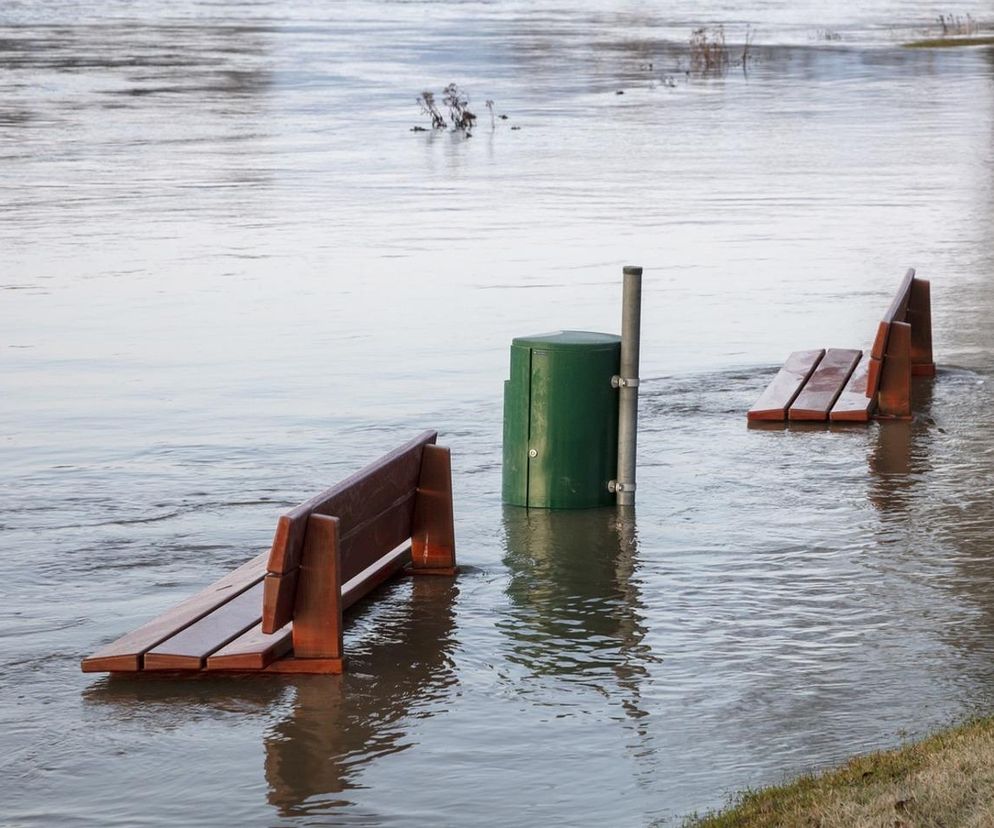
pixel 920 319
pixel 433 543
pixel 317 612
pixel 894 394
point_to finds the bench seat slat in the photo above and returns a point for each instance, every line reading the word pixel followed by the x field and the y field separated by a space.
pixel 188 649
pixel 826 383
pixel 853 404
pixel 252 650
pixel 125 654
pixel 786 385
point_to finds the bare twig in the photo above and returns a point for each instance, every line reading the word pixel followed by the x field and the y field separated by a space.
pixel 426 100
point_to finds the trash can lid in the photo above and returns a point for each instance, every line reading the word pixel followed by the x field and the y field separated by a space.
pixel 567 341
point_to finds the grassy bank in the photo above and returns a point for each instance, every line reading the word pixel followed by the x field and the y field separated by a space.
pixel 945 780
pixel 951 42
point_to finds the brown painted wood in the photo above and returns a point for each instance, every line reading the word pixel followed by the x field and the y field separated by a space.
pixel 284 555
pixel 920 319
pixel 369 491
pixel 354 501
pixel 443 571
pixel 880 341
pixel 853 404
pixel 894 395
pixel 125 654
pixel 369 579
pixel 826 383
pixel 898 309
pixel 279 593
pixel 786 385
pixel 317 614
pixel 873 369
pixel 307 666
pixel 364 544
pixel 433 537
pixel 188 649
pixel 228 634
pixel 252 650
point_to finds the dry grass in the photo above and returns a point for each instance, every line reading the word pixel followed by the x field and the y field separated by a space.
pixel 955 24
pixel 708 52
pixel 946 780
pixel 951 42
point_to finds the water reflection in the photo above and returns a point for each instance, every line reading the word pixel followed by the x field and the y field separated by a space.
pixel 330 727
pixel 173 703
pixel 196 59
pixel 316 754
pixel 577 613
pixel 899 454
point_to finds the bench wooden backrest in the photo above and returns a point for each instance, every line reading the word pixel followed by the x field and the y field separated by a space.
pixel 374 509
pixel 902 347
pixel 898 310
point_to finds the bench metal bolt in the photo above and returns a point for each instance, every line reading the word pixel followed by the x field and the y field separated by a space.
pixel 628 391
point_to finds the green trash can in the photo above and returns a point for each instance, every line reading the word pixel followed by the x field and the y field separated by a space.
pixel 561 420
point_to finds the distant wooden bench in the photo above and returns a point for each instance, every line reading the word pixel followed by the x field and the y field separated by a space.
pixel 840 385
pixel 282 611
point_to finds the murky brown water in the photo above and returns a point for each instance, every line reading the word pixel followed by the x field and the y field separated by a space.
pixel 229 275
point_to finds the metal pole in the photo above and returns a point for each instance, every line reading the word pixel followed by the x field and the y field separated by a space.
pixel 628 384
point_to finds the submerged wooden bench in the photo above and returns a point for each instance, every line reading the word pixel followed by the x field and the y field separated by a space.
pixel 281 612
pixel 841 385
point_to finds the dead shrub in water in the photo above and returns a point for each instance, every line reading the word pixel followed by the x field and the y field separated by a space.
pixel 746 47
pixel 954 24
pixel 426 100
pixel 457 103
pixel 708 52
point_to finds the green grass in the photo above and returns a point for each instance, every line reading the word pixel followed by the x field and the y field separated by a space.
pixel 951 42
pixel 944 780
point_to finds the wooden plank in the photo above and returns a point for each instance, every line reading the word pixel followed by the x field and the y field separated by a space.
pixel 853 404
pixel 355 500
pixel 252 650
pixel 786 385
pixel 880 341
pixel 317 614
pixel 894 396
pixel 188 649
pixel 125 654
pixel 308 666
pixel 278 595
pixel 920 319
pixel 826 383
pixel 368 492
pixel 873 369
pixel 898 309
pixel 369 579
pixel 360 548
pixel 433 541
pixel 367 543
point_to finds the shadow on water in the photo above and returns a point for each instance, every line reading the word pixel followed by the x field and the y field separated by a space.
pixel 324 730
pixel 577 613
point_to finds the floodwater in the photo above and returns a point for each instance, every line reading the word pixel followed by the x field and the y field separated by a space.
pixel 230 274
